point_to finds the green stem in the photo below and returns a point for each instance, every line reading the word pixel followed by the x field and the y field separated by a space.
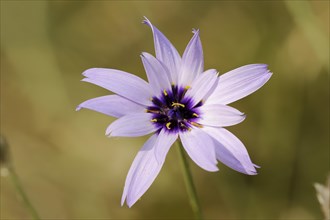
pixel 194 202
pixel 20 190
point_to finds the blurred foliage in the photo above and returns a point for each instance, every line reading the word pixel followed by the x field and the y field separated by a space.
pixel 71 170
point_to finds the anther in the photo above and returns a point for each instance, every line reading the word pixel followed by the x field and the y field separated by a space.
pixel 185 90
pixel 195 115
pixel 151 99
pixel 154 120
pixel 178 104
pixel 165 92
pixel 168 124
pixel 196 124
pixel 152 111
pixel 182 125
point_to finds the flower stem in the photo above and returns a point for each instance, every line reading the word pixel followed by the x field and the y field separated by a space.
pixel 194 202
pixel 20 190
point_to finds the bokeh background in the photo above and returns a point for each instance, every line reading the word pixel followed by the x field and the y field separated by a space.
pixel 71 170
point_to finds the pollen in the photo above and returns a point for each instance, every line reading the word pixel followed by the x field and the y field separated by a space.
pixel 154 120
pixel 165 92
pixel 168 124
pixel 187 87
pixel 178 104
pixel 196 124
pixel 195 115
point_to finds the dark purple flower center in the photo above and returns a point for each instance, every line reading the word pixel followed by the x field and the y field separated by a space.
pixel 174 111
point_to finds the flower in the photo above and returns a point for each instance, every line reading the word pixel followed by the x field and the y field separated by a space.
pixel 181 101
pixel 323 195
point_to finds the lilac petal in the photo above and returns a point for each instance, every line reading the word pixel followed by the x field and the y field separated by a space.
pixel 165 52
pixel 145 152
pixel 220 115
pixel 231 151
pixel 240 82
pixel 200 147
pixel 203 85
pixel 145 168
pixel 132 125
pixel 165 140
pixel 192 60
pixel 112 105
pixel 122 83
pixel 157 73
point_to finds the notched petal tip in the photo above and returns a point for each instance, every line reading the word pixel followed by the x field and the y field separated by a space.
pixel 256 66
pixel 88 80
pixel 256 166
pixel 78 108
pixel 146 21
pixel 213 169
pixel 266 76
pixel 242 116
pixel 261 64
pixel 195 31
pixel 108 131
pixel 266 73
pixel 142 57
pixel 252 171
pixel 131 203
pixel 89 71
pixel 145 54
pixel 108 134
pixel 269 73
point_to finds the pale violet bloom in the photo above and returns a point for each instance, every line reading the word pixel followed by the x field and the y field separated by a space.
pixel 180 101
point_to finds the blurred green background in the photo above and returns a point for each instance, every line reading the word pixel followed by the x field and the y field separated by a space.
pixel 71 170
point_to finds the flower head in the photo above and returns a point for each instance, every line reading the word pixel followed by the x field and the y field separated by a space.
pixel 181 101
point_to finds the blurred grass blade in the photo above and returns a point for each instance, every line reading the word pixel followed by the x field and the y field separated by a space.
pixel 7 163
pixel 305 18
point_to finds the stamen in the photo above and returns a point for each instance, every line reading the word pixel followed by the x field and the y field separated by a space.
pixel 196 124
pixel 152 111
pixel 165 92
pixel 178 104
pixel 172 110
pixel 184 91
pixel 182 125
